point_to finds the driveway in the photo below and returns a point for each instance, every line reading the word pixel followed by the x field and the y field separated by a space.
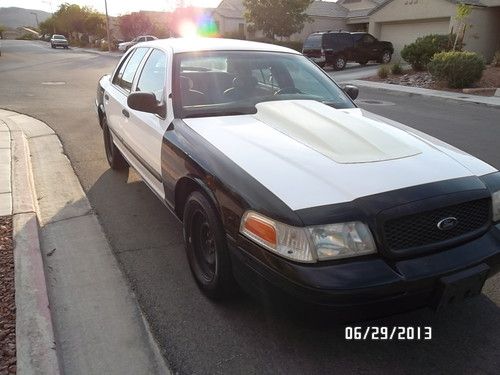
pixel 243 336
pixel 353 71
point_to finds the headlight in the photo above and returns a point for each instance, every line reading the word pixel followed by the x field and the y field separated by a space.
pixel 343 240
pixel 333 241
pixel 495 198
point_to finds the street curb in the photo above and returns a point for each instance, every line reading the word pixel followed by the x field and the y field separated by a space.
pixel 96 52
pixel 37 322
pixel 489 101
pixel 35 341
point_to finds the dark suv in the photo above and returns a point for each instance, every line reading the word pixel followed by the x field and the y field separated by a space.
pixel 337 48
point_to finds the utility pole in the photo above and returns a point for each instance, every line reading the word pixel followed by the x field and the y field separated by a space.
pixel 107 25
pixel 36 17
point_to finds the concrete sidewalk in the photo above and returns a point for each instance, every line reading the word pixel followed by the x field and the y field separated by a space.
pixel 98 325
pixel 493 101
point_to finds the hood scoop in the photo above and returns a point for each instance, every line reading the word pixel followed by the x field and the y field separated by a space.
pixel 340 136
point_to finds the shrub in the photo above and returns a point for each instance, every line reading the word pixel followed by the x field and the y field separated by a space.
pixel 383 71
pixel 496 59
pixel 284 43
pixel 234 35
pixel 27 36
pixel 419 53
pixel 459 69
pixel 396 68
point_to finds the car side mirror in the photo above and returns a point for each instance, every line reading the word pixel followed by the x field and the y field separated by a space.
pixel 351 90
pixel 146 102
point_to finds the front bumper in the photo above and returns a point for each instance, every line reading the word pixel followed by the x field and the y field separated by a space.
pixel 60 44
pixel 360 288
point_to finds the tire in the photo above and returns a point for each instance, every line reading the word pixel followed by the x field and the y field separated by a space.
pixel 206 248
pixel 385 58
pixel 115 158
pixel 52 46
pixel 339 63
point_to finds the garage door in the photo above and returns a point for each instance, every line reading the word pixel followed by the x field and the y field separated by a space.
pixel 405 33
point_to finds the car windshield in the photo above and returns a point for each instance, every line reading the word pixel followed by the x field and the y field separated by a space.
pixel 232 82
pixel 59 37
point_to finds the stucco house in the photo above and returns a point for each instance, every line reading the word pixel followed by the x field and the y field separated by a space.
pixel 325 15
pixel 402 21
pixel 397 21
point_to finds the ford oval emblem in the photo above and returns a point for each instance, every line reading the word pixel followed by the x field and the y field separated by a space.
pixel 447 223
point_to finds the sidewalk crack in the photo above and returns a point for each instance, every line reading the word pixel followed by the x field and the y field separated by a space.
pixel 88 213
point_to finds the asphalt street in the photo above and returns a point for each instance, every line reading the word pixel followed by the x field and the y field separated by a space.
pixel 244 336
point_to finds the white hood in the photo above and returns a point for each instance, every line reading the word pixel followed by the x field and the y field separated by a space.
pixel 309 154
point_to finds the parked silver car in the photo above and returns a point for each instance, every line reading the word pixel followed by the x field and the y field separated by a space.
pixel 143 38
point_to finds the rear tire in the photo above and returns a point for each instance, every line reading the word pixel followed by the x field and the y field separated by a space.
pixel 115 158
pixel 385 58
pixel 339 63
pixel 206 248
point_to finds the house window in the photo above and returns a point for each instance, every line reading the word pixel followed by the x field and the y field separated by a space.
pixel 241 28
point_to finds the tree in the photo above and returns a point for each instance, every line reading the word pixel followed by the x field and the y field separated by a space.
pixel 95 24
pixel 277 17
pixel 135 24
pixel 73 21
pixel 463 13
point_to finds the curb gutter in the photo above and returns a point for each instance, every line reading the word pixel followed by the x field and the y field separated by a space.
pixel 35 342
pixel 491 101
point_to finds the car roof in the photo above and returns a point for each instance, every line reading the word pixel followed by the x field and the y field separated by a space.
pixel 339 32
pixel 179 45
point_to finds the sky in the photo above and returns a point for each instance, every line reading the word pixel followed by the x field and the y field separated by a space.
pixel 115 7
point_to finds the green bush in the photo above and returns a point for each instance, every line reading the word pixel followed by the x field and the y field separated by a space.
pixel 396 68
pixel 459 69
pixel 419 53
pixel 383 71
pixel 496 59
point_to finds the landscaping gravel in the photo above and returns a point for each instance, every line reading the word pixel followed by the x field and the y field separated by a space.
pixel 7 301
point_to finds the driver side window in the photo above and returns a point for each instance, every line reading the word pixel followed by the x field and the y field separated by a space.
pixel 152 78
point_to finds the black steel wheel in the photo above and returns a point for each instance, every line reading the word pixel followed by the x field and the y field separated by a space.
pixel 113 155
pixel 206 247
pixel 339 62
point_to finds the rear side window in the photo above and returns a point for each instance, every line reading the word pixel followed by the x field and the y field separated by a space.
pixel 313 41
pixel 338 41
pixel 152 77
pixel 126 73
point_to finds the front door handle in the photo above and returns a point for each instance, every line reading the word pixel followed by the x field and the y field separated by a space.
pixel 125 113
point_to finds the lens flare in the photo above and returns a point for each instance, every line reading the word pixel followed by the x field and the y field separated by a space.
pixel 188 29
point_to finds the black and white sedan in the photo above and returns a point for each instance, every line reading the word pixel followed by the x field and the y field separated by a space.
pixel 283 184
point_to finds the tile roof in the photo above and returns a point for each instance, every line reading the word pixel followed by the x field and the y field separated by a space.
pixel 236 9
pixel 326 9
